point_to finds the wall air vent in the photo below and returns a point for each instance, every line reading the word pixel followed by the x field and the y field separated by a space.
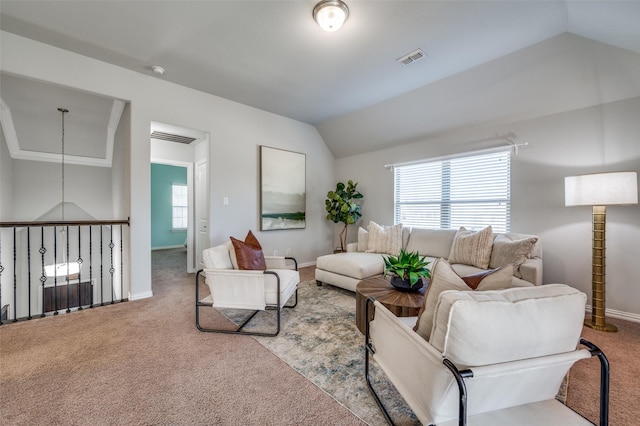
pixel 412 57
pixel 171 137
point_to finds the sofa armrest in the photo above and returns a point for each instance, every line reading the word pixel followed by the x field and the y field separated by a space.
pixel 531 270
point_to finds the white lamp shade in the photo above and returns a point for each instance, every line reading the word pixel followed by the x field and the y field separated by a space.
pixel 330 14
pixel 602 189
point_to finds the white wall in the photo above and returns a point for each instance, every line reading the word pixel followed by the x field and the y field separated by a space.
pixel 120 169
pixel 603 138
pixel 37 189
pixel 236 132
pixel 6 178
pixel 6 202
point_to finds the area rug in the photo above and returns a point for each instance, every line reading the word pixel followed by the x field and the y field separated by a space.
pixel 320 340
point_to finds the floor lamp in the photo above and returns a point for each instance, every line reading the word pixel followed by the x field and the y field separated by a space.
pixel 600 190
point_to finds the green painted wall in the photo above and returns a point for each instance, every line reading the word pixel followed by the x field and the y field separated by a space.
pixel 162 177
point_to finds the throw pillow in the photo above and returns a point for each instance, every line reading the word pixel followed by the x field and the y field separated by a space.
pixel 248 253
pixel 506 250
pixel 363 239
pixel 443 278
pixel 491 279
pixel 384 239
pixel 472 248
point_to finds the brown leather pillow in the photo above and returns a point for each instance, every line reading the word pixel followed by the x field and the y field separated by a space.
pixel 249 253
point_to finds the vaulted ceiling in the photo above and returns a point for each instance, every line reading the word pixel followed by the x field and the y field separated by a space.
pixel 486 61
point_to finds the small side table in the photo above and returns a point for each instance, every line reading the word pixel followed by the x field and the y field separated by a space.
pixel 400 303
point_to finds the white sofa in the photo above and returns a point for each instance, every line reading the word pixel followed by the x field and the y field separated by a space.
pixel 347 269
pixel 510 349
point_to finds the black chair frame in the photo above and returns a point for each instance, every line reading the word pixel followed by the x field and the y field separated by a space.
pixel 240 328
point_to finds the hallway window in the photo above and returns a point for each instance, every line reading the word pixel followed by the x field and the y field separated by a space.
pixel 473 191
pixel 179 204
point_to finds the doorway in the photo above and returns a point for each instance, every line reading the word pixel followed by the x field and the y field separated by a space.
pixel 188 149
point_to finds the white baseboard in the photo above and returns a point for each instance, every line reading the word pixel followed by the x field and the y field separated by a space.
pixel 143 295
pixel 304 265
pixel 168 247
pixel 627 316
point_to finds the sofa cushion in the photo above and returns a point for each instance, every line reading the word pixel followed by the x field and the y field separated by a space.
pixel 218 257
pixel 507 250
pixel 352 264
pixel 472 248
pixel 500 323
pixel 248 253
pixel 385 239
pixel 431 242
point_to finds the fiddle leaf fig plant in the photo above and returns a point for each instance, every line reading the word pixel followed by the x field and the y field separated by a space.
pixel 341 207
pixel 407 265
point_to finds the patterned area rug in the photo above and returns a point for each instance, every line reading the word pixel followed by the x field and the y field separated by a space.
pixel 319 339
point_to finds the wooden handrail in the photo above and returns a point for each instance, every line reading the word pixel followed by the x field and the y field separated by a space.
pixel 63 223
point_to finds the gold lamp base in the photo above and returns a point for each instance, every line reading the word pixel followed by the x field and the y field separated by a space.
pixel 598 285
pixel 601 327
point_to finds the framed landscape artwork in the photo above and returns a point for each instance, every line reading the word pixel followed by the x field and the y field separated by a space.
pixel 283 189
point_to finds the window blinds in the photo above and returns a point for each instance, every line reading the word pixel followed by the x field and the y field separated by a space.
pixel 472 191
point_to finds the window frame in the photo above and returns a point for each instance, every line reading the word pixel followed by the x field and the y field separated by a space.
pixel 432 203
pixel 184 208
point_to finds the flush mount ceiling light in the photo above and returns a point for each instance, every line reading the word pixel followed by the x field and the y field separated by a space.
pixel 157 69
pixel 330 14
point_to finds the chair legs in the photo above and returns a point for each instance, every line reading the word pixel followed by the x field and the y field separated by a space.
pixel 368 351
pixel 240 328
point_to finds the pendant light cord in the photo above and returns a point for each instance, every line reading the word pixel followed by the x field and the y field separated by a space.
pixel 63 111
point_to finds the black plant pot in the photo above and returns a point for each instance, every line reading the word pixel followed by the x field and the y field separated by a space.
pixel 405 285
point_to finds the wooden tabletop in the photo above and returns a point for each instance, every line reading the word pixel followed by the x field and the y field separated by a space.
pixel 400 303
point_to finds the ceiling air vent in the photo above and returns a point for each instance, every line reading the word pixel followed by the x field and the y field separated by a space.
pixel 412 57
pixel 171 137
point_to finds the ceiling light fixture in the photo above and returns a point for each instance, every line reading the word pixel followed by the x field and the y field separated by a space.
pixel 330 14
pixel 157 69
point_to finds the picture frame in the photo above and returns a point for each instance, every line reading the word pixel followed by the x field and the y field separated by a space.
pixel 282 189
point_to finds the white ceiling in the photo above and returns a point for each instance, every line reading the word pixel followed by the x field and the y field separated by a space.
pixel 272 55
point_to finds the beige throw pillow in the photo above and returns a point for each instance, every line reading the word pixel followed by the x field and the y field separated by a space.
pixel 443 278
pixel 363 239
pixel 385 239
pixel 472 248
pixel 515 252
pixel 494 279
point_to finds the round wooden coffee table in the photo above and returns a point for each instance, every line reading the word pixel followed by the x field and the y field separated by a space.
pixel 400 303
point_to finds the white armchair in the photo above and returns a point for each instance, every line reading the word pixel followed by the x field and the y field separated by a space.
pixel 492 358
pixel 253 290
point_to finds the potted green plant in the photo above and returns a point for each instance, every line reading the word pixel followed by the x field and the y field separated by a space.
pixel 341 207
pixel 407 270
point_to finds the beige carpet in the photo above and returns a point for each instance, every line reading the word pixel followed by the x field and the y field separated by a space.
pixel 144 362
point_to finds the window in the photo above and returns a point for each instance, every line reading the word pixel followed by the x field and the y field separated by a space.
pixel 179 206
pixel 473 191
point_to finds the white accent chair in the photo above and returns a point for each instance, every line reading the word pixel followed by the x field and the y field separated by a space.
pixel 245 289
pixel 492 358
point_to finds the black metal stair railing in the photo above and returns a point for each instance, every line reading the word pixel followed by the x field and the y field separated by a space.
pixel 81 264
